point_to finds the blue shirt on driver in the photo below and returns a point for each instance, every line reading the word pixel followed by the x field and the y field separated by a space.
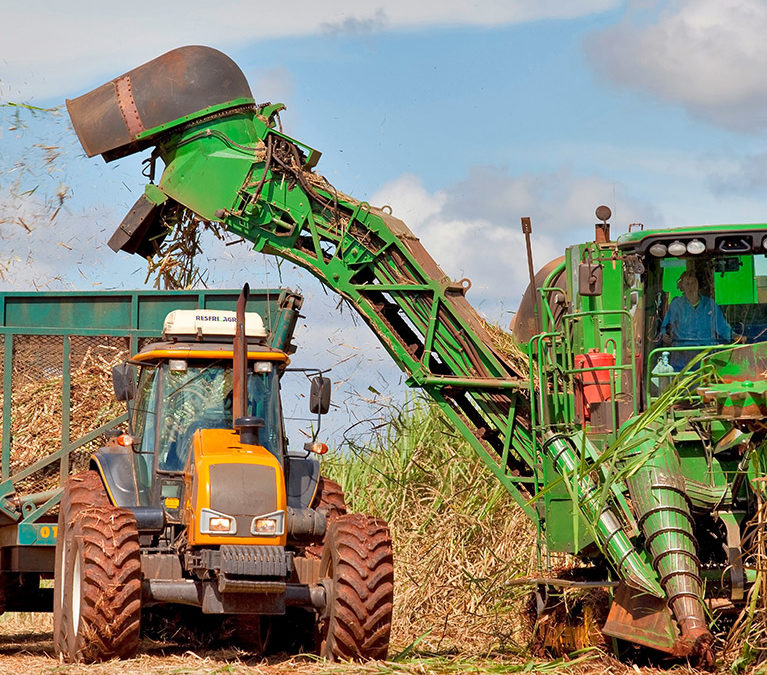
pixel 703 324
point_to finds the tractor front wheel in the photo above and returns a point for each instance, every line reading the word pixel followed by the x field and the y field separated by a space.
pixel 357 569
pixel 97 588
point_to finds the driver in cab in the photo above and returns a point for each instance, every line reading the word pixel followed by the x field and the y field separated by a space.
pixel 694 319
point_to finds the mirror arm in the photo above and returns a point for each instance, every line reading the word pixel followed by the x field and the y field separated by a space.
pixel 130 417
pixel 319 426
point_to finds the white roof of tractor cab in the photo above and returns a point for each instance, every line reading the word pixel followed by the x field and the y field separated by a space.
pixel 199 324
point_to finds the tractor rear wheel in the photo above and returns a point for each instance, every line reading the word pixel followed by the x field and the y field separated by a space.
pixel 357 568
pixel 81 491
pixel 97 587
pixel 330 500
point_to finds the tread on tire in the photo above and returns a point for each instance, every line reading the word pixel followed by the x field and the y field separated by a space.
pixel 97 588
pixel 357 563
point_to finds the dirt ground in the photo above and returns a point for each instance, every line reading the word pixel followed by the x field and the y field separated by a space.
pixel 26 646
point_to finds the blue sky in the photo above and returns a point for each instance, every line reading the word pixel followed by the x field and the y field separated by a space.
pixel 462 116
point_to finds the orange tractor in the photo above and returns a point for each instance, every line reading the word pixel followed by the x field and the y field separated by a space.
pixel 201 504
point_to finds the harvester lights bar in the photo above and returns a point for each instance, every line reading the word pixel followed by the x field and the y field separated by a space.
pixel 269 525
pixel 213 522
pixel 677 248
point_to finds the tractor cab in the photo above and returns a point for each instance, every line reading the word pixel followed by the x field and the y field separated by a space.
pixel 206 449
pixel 186 385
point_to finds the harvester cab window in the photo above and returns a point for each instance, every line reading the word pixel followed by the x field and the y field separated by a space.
pixel 703 302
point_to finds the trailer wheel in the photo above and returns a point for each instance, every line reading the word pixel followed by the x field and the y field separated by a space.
pixel 97 588
pixel 358 570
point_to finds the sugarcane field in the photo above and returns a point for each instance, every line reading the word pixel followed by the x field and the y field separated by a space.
pixel 396 338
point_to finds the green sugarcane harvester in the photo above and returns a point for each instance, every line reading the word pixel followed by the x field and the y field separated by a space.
pixel 632 440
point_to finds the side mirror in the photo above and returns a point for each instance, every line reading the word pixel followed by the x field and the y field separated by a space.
pixel 589 279
pixel 122 381
pixel 319 395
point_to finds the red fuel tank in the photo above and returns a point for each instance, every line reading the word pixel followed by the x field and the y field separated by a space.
pixel 592 386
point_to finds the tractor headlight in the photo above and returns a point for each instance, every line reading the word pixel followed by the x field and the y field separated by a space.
pixel 695 247
pixel 212 522
pixel 658 249
pixel 269 525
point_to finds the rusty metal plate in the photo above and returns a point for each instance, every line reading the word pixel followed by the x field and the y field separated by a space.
pixel 641 618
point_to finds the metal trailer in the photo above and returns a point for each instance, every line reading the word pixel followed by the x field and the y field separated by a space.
pixel 44 339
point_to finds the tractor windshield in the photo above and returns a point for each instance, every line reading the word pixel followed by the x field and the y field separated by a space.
pixel 695 303
pixel 173 403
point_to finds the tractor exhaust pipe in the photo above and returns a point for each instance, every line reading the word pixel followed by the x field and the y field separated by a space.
pixel 240 361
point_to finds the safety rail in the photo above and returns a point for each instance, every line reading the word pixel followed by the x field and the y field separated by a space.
pixel 652 357
pixel 551 360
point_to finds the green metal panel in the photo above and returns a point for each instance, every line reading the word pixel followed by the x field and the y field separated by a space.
pixel 566 529
pixel 37 534
pixel 672 271
pixel 130 314
pixel 118 312
pixel 737 287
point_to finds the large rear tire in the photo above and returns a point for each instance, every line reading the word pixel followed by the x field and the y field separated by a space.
pixel 330 500
pixel 97 587
pixel 358 569
pixel 81 491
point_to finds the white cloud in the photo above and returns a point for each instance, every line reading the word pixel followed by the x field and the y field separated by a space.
pixel 473 228
pixel 66 48
pixel 707 55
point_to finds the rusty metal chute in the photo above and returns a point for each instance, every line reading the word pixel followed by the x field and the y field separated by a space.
pixel 113 119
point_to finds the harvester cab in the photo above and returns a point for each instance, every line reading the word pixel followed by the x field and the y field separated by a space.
pixel 213 511
pixel 703 291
